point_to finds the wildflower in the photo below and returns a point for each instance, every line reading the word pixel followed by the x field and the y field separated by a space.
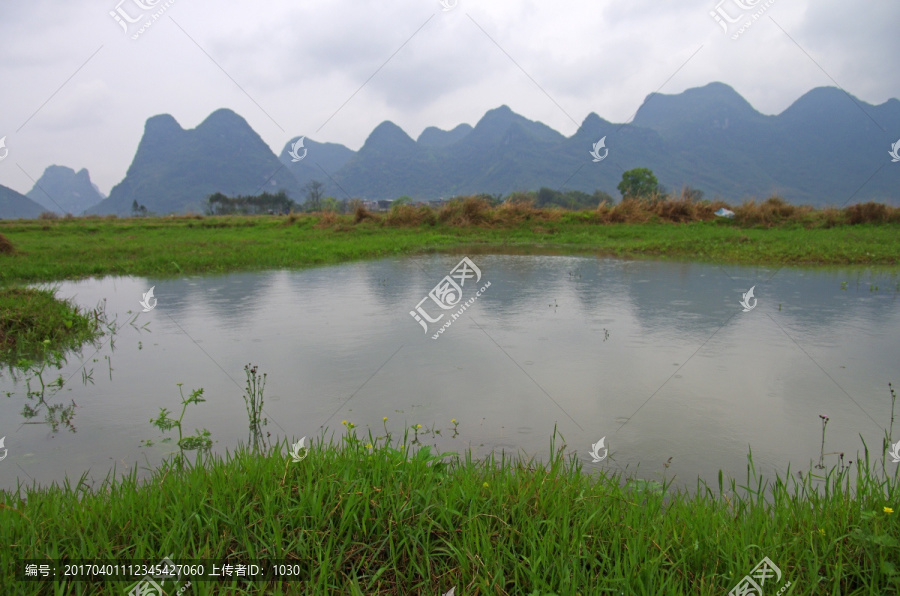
pixel 821 531
pixel 368 445
pixel 384 419
pixel 453 420
pixel 418 426
pixel 888 510
pixel 486 485
pixel 344 422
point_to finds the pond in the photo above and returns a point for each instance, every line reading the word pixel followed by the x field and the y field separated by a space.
pixel 659 359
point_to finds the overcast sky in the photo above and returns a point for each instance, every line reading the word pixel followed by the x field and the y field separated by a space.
pixel 77 88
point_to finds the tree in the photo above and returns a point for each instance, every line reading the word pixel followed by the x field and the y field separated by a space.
pixel 639 183
pixel 333 205
pixel 139 210
pixel 314 191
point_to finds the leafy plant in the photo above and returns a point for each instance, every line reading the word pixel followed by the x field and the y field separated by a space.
pixel 200 442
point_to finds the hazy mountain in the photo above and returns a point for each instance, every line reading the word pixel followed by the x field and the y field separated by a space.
pixel 827 148
pixel 319 162
pixel 62 191
pixel 435 137
pixel 14 205
pixel 176 169
pixel 821 150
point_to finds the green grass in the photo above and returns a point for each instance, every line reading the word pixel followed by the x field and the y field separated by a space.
pixel 34 320
pixel 377 515
pixel 70 249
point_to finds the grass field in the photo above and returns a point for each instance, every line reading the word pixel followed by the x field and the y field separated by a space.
pixel 364 514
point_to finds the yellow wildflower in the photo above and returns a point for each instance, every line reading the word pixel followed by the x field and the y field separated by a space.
pixel 888 510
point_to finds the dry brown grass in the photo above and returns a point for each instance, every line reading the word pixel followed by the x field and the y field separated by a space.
pixel 466 211
pixel 403 215
pixel 48 215
pixel 628 211
pixel 327 219
pixel 869 213
pixel 773 210
pixel 360 213
pixel 6 247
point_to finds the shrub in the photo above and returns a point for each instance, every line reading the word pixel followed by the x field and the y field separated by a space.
pixel 48 215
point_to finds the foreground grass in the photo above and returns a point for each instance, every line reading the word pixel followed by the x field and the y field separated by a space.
pixel 363 516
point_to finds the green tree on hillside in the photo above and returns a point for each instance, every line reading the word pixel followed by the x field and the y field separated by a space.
pixel 639 183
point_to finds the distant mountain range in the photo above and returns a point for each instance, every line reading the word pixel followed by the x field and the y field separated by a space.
pixel 828 148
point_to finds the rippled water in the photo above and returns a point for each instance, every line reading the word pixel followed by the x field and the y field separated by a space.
pixel 657 357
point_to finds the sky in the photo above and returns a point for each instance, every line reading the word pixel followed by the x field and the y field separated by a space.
pixel 79 80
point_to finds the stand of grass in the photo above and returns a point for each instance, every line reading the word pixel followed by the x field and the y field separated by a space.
pixel 371 516
pixel 31 319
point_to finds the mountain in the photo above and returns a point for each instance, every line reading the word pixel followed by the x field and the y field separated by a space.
pixel 435 137
pixel 63 191
pixel 176 170
pixel 14 205
pixel 827 148
pixel 317 163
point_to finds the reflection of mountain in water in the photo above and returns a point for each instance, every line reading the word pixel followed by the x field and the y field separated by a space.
pixel 679 297
pixel 233 298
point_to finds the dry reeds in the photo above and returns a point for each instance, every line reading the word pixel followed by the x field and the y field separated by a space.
pixel 465 212
pixel 867 213
pixel 360 213
pixel 6 247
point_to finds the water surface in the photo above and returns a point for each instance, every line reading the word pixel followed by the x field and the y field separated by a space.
pixel 657 357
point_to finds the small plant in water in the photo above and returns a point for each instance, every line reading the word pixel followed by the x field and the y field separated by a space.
pixel 253 398
pixel 821 464
pixel 201 442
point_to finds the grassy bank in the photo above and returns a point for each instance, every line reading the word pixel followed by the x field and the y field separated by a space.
pixel 373 515
pixel 72 248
